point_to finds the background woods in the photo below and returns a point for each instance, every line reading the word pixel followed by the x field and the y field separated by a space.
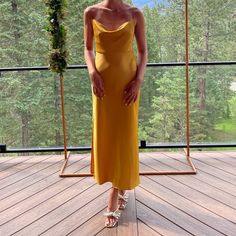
pixel 30 109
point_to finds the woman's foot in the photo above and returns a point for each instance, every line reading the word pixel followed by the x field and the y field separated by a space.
pixel 122 199
pixel 112 213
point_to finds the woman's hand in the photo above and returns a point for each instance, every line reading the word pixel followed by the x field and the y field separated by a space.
pixel 98 84
pixel 131 91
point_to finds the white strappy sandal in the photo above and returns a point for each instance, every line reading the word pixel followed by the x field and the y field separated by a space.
pixel 115 214
pixel 124 200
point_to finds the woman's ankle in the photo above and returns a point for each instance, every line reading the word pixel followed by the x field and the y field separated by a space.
pixel 113 200
pixel 122 192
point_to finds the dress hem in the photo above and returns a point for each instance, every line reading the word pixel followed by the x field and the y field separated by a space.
pixel 115 186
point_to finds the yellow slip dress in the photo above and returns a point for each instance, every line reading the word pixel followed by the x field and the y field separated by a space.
pixel 115 154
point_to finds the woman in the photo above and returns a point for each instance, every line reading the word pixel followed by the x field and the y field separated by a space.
pixel 116 77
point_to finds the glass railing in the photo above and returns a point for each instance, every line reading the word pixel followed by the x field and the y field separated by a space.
pixel 30 106
pixel 212 97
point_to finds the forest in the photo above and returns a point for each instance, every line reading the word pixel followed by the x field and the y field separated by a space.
pixel 30 107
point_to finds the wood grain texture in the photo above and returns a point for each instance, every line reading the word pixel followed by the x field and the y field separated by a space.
pixel 128 221
pixel 34 200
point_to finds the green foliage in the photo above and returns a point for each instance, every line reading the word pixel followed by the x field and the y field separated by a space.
pixel 57 61
pixel 227 125
pixel 30 108
pixel 169 107
pixel 58 52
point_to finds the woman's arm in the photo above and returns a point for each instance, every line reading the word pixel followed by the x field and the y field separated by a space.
pixel 88 41
pixel 132 89
pixel 140 36
pixel 98 86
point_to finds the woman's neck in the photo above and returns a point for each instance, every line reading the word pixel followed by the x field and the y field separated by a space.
pixel 113 3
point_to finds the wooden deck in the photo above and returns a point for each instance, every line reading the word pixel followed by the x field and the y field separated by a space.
pixel 34 200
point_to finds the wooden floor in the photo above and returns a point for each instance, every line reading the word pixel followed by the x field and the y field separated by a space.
pixel 34 200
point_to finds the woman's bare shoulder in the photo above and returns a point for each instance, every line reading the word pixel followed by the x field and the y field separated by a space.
pixel 136 13
pixel 90 10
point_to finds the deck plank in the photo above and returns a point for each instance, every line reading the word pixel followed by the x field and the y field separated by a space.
pixel 158 223
pixel 128 220
pixel 5 158
pixel 216 172
pixel 91 227
pixel 13 166
pixel 26 183
pixel 78 220
pixel 176 215
pixel 32 190
pixel 228 153
pixel 188 206
pixel 47 191
pixel 76 159
pixel 87 203
pixel 10 175
pixel 144 230
pixel 203 176
pixel 217 163
pixel 36 201
pixel 197 197
pixel 107 232
pixel 21 174
pixel 220 156
pixel 200 185
pixel 44 202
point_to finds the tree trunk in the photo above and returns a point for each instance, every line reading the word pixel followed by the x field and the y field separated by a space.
pixel 24 114
pixel 203 72
pixel 25 129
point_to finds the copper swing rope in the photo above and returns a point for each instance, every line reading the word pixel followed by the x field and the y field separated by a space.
pixel 187 150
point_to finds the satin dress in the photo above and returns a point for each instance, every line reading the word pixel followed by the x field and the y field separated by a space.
pixel 115 154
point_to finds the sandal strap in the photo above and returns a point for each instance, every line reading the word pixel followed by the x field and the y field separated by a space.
pixel 124 197
pixel 112 213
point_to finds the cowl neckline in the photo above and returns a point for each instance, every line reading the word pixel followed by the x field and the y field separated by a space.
pixel 117 29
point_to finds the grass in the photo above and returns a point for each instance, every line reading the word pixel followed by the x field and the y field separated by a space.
pixel 225 131
pixel 228 126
